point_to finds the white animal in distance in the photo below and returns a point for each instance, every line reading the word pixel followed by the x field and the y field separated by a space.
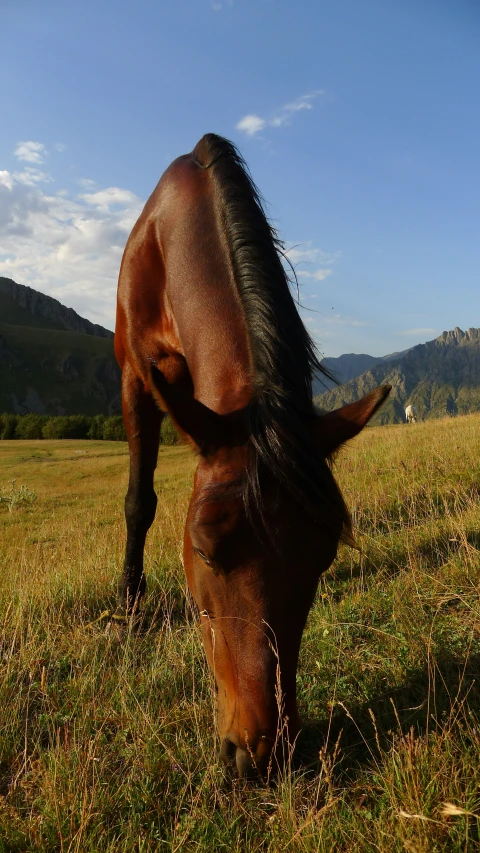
pixel 411 415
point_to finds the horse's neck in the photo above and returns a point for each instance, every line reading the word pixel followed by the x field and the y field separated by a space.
pixel 208 313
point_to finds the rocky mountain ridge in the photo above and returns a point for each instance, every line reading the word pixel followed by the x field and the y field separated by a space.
pixel 23 306
pixel 348 366
pixel 440 377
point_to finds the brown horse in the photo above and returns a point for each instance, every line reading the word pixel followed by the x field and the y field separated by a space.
pixel 208 331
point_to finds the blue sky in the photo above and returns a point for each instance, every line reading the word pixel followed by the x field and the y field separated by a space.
pixel 359 120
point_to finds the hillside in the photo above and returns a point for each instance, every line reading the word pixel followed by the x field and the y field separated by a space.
pixel 52 360
pixel 348 366
pixel 24 306
pixel 343 368
pixel 440 377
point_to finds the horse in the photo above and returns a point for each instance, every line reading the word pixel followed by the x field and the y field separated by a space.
pixel 207 330
pixel 410 415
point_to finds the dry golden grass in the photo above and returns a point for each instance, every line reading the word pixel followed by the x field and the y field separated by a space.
pixel 112 747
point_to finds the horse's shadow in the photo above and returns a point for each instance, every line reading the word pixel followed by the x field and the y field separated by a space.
pixel 429 699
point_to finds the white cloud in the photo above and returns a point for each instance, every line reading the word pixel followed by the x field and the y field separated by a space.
pixel 67 247
pixel 30 152
pixel 319 334
pixel 305 253
pixel 218 5
pixel 110 198
pixel 308 255
pixel 6 179
pixel 318 275
pixel 252 124
pixel 31 176
pixel 303 102
pixel 338 320
pixel 60 147
pixel 419 332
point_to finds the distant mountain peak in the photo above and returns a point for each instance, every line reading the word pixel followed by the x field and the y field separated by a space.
pixel 458 336
pixel 18 302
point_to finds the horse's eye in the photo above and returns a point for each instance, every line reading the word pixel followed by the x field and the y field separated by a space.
pixel 203 556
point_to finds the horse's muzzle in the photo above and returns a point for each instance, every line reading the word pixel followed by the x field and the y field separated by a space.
pixel 246 762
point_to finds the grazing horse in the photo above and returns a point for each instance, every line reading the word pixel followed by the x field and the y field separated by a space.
pixel 208 331
pixel 410 415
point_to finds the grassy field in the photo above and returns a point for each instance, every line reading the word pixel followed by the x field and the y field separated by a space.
pixel 111 747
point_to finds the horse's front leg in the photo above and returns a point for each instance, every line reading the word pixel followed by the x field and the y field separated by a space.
pixel 142 423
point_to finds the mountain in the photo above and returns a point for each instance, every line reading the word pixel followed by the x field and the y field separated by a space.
pixel 440 377
pixel 343 368
pixel 23 306
pixel 347 367
pixel 52 360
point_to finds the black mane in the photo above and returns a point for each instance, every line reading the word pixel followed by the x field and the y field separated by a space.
pixel 284 357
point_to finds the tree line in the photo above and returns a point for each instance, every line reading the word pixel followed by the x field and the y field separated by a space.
pixel 99 428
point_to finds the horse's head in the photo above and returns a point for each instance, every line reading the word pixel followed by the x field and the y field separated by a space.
pixel 254 587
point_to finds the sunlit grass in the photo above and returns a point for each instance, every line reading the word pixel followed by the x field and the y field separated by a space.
pixel 107 746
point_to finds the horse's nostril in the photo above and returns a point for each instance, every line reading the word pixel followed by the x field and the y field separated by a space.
pixel 243 760
pixel 227 751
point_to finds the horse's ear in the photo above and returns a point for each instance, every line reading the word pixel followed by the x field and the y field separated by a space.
pixel 335 428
